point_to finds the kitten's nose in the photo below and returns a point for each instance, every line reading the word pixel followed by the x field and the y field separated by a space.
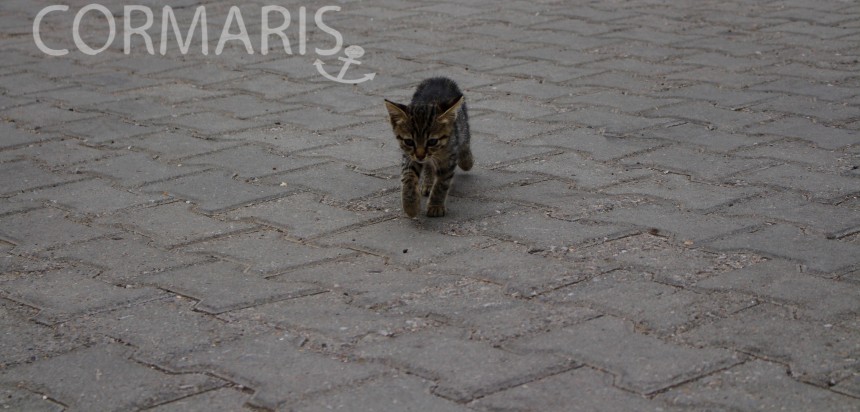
pixel 420 154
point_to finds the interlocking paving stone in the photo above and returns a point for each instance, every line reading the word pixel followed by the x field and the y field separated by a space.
pixel 597 146
pixel 782 282
pixel 399 240
pixel 94 197
pixel 397 391
pixel 542 231
pixel 303 215
pixel 250 161
pixel 823 136
pixel 172 224
pixel 136 169
pixel 258 362
pixel 815 351
pixel 327 322
pixel 24 400
pixel 786 241
pixel 23 175
pixel 161 329
pixel 685 225
pixel 267 252
pixel 43 229
pixel 224 399
pixel 223 287
pixel 103 378
pixel 464 369
pixel 640 363
pixel 755 385
pixel 335 180
pixel 588 173
pixel 589 389
pixel 521 273
pixel 64 294
pixel 697 163
pixel 216 191
pixel 26 341
pixel 687 193
pixel 122 258
pixel 834 221
pixel 723 260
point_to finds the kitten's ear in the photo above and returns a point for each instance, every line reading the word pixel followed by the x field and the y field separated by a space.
pixel 450 109
pixel 399 113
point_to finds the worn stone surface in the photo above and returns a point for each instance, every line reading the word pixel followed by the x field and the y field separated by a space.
pixel 665 192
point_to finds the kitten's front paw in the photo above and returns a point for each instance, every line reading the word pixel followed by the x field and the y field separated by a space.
pixel 411 207
pixel 435 211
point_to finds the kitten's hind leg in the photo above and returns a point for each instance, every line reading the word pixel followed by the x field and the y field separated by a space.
pixel 427 180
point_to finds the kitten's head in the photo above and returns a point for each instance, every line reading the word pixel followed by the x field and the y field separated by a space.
pixel 423 129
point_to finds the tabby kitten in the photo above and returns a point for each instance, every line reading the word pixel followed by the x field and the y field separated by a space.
pixel 433 132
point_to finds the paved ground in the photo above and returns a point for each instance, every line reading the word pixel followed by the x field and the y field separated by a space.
pixel 664 214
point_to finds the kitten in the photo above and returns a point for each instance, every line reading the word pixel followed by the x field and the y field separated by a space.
pixel 433 132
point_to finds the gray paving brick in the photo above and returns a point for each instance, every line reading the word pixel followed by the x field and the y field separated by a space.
pixel 711 116
pixel 222 287
pixel 815 352
pixel 216 191
pixel 328 322
pixel 834 221
pixel 756 385
pixel 607 121
pixel 209 123
pixel 829 112
pixel 545 232
pixel 201 75
pixel 685 192
pixel 136 169
pixel 12 136
pixel 102 129
pixel 823 136
pixel 161 329
pixel 398 391
pixel 140 109
pixel 242 106
pixel 587 388
pixel 716 140
pixel 652 306
pixel 366 154
pixel 625 102
pixel 23 175
pixel 722 97
pixel 258 362
pixel 696 163
pixel 272 87
pixel 821 186
pixel 670 264
pixel 93 197
pixel 65 294
pixel 266 252
pixel 560 196
pixel 43 229
pixel 282 138
pixel 122 258
pixel 303 215
pixel 485 311
pixel 218 399
pixel 682 224
pixel 400 235
pixel 172 224
pixel 60 154
pixel 780 240
pixel 335 180
pixel 464 370
pixel 587 173
pixel 611 344
pixel 805 87
pixel 26 341
pixel 491 153
pixel 250 161
pixel 22 399
pixel 171 146
pixel 781 282
pixel 115 81
pixel 114 383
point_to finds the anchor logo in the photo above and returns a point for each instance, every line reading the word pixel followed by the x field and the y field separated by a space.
pixel 352 54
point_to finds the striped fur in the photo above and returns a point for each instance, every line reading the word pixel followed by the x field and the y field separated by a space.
pixel 433 133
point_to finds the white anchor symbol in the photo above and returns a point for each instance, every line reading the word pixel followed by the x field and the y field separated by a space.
pixel 352 53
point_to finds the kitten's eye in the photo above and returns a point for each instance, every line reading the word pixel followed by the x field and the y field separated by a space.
pixel 432 142
pixel 409 142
